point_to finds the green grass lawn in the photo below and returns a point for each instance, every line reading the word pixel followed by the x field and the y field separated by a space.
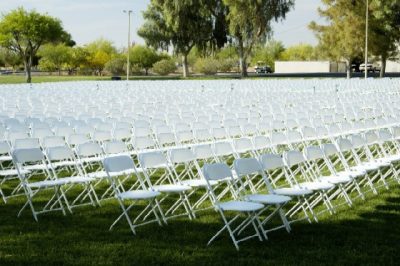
pixel 366 234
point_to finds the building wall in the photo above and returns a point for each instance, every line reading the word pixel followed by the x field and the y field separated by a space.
pixel 392 66
pixel 304 67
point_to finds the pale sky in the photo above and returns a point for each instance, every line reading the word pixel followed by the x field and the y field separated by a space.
pixel 88 20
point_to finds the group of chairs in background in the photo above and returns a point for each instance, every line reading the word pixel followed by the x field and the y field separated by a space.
pixel 238 150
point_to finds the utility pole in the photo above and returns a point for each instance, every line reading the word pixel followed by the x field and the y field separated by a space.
pixel 366 40
pixel 129 12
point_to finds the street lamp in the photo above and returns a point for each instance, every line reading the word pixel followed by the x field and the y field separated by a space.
pixel 129 12
pixel 366 40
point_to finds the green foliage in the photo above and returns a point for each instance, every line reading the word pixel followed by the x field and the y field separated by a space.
pixel 384 30
pixel 116 66
pixel 343 36
pixel 78 59
pixel 228 52
pixel 182 24
pixel 226 65
pixel 250 23
pixel 269 53
pixel 25 32
pixel 300 52
pixel 164 67
pixel 208 66
pixel 99 53
pixel 53 57
pixel 143 57
pixel 9 58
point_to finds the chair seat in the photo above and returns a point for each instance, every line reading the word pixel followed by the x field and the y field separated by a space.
pixel 268 198
pixel 240 206
pixel 172 188
pixel 364 167
pixel 393 158
pixel 35 167
pixel 336 179
pixel 198 182
pixel 98 174
pixel 77 179
pixel 139 194
pixel 12 172
pixel 47 183
pixel 90 159
pixel 62 164
pixel 316 185
pixel 353 173
pixel 5 158
pixel 291 191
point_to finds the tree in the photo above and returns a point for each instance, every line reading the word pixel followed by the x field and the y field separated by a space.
pixel 55 56
pixel 9 58
pixel 79 58
pixel 117 65
pixel 164 67
pixel 180 23
pixel 384 30
pixel 343 37
pixel 143 56
pixel 271 52
pixel 300 52
pixel 250 23
pixel 99 53
pixel 25 32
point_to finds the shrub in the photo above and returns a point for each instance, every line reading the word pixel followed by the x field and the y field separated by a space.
pixel 115 66
pixel 164 67
pixel 208 66
pixel 226 65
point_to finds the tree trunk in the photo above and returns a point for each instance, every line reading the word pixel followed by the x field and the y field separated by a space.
pixel 59 71
pixel 348 69
pixel 185 66
pixel 146 70
pixel 242 59
pixel 383 67
pixel 27 66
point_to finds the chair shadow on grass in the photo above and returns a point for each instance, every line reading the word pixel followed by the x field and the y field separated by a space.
pixel 353 236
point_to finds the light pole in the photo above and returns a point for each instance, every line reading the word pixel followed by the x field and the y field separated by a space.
pixel 129 12
pixel 366 40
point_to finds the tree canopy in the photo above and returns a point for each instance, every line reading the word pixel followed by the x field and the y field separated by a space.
pixel 25 32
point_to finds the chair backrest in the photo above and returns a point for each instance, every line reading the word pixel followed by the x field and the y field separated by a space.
pixel 357 141
pixel 181 155
pixel 152 159
pixel 261 142
pixel 223 148
pixel 371 137
pixel 28 155
pixel 293 158
pixel 27 143
pixel 246 166
pixel 53 141
pixel 203 151
pixel 77 139
pixel 114 147
pixel 271 161
pixel 329 149
pixel 143 142
pixel 4 147
pixel 242 145
pixel 344 144
pixel 118 163
pixel 59 153
pixel 216 171
pixel 313 153
pixel 89 149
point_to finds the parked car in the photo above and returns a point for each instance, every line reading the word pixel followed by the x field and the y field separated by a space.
pixel 370 68
pixel 262 68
